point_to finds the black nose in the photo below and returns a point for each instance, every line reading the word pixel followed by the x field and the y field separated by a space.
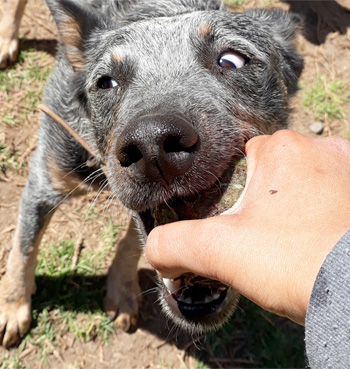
pixel 157 147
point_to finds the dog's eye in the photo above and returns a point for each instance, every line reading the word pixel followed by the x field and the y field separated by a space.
pixel 231 60
pixel 106 82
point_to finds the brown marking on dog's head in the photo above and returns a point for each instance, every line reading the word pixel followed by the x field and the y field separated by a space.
pixel 66 182
pixel 204 30
pixel 117 57
pixel 70 36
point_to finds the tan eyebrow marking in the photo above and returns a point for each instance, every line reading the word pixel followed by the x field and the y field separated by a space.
pixel 204 30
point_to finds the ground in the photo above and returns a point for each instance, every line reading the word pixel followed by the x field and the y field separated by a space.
pixel 69 329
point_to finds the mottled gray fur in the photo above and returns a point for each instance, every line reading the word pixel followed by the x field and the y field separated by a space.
pixel 164 57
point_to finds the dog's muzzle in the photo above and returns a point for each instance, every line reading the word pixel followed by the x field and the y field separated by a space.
pixel 156 149
pixel 195 303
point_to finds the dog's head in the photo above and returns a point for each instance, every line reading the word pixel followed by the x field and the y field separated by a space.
pixel 173 89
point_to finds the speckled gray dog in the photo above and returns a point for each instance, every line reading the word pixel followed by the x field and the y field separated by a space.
pixel 168 92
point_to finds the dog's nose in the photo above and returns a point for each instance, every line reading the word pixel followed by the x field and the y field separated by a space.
pixel 158 147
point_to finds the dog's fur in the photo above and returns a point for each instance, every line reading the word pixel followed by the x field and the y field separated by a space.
pixel 148 84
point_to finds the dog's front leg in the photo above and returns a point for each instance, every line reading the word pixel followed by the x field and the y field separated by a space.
pixel 9 26
pixel 123 291
pixel 17 285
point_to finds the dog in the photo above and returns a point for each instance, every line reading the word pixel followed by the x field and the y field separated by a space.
pixel 9 26
pixel 167 92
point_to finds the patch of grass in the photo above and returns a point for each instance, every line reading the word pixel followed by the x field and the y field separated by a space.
pixel 92 262
pixel 8 159
pixel 8 119
pixel 109 235
pixel 11 362
pixel 43 335
pixel 10 80
pixel 89 216
pixel 70 301
pixel 234 2
pixel 55 259
pixel 23 83
pixel 254 338
pixel 90 327
pixel 201 365
pixel 326 98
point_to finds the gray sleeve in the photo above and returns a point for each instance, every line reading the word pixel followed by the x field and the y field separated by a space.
pixel 327 326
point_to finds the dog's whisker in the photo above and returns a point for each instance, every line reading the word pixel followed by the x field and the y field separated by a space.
pixel 85 180
pixel 74 169
pixel 110 199
pixel 147 292
pixel 104 185
pixel 112 204
pixel 171 330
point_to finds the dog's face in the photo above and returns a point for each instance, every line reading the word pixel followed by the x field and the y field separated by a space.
pixel 173 94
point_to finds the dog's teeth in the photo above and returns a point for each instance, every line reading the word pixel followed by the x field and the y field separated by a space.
pixel 216 296
pixel 172 285
pixel 208 299
pixel 188 300
pixel 180 298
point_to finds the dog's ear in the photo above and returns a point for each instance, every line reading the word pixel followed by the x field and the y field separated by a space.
pixel 75 22
pixel 283 28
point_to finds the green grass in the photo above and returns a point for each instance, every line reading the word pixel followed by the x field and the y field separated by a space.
pixel 258 339
pixel 8 119
pixel 8 159
pixel 234 2
pixel 25 81
pixel 11 362
pixel 326 98
pixel 69 301
pixel 201 365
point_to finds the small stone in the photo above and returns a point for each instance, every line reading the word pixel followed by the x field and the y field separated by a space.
pixel 316 127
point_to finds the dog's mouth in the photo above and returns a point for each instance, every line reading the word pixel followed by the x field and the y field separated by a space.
pixel 221 196
pixel 196 303
pixel 196 297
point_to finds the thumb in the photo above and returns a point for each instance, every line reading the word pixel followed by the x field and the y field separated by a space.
pixel 170 248
pixel 196 246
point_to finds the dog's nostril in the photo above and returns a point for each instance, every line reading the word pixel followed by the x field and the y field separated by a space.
pixel 130 155
pixel 178 144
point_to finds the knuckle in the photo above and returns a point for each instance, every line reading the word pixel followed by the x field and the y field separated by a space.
pixel 255 142
pixel 286 135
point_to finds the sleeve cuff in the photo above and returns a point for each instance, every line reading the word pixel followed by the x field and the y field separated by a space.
pixel 327 325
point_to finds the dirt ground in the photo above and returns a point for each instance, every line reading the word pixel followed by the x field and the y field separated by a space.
pixel 325 47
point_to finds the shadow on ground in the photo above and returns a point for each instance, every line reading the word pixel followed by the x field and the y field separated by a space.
pixel 48 46
pixel 320 18
pixel 252 338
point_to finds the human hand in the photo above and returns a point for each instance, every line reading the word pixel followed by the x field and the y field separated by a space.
pixel 271 244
